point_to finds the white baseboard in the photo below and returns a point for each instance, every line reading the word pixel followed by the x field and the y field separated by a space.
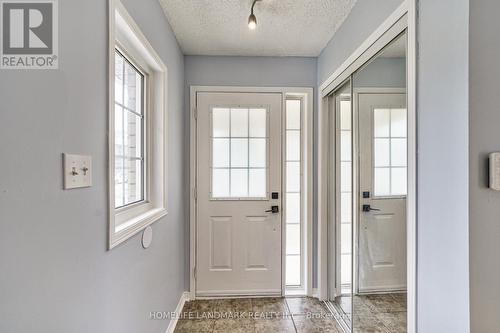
pixel 173 322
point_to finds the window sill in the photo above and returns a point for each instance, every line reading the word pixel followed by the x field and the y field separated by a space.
pixel 136 224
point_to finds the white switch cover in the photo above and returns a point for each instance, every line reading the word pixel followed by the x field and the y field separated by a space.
pixel 77 171
pixel 495 171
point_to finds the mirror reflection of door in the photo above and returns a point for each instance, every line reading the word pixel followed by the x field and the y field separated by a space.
pixel 379 95
pixel 341 218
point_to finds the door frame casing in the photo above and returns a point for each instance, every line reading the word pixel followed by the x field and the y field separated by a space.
pixel 371 46
pixel 306 94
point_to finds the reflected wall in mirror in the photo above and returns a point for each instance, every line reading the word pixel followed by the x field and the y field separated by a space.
pixel 379 239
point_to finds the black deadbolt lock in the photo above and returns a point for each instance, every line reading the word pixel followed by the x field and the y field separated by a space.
pixel 366 195
pixel 275 195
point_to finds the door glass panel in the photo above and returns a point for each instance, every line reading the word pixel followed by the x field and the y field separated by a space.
pixel 382 152
pixel 381 122
pixel 257 183
pixel 221 153
pixel 398 123
pixel 293 114
pixel 293 145
pixel 293 239
pixel 382 181
pixel 398 181
pixel 293 207
pixel 389 151
pixel 239 123
pixel 293 270
pixel 258 123
pixel 293 177
pixel 239 182
pixel 239 153
pixel 258 153
pixel 220 183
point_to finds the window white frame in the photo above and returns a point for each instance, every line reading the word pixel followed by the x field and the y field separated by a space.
pixel 307 182
pixel 126 36
pixel 402 19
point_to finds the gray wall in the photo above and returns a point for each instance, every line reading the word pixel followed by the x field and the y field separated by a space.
pixel 484 138
pixel 443 173
pixel 382 73
pixel 443 252
pixel 247 71
pixel 56 274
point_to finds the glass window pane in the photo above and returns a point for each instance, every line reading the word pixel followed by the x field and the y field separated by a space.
pixel 258 123
pixel 133 135
pixel 292 270
pixel 382 152
pixel 220 151
pixel 398 152
pixel 257 183
pixel 345 269
pixel 220 122
pixel 239 122
pixel 119 180
pixel 220 183
pixel 345 238
pixel 293 239
pixel 345 115
pixel 345 146
pixel 346 207
pixel 258 153
pixel 293 176
pixel 381 123
pixel 293 114
pixel 239 153
pixel 293 145
pixel 292 208
pixel 239 183
pixel 119 130
pixel 133 181
pixel 345 176
pixel 398 123
pixel 382 185
pixel 118 78
pixel 133 86
pixel 398 181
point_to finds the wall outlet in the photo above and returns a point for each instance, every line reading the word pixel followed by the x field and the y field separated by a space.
pixel 77 171
pixel 495 171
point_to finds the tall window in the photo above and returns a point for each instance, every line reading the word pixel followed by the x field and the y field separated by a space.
pixel 294 221
pixel 129 132
pixel 137 130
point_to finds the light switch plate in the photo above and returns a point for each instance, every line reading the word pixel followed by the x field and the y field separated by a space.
pixel 495 171
pixel 77 171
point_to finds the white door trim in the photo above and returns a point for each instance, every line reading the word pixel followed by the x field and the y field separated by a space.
pixel 306 94
pixel 408 9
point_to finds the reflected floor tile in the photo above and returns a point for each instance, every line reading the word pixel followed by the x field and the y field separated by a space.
pixel 304 324
pixel 393 321
pixel 305 305
pixel 194 326
pixel 275 325
pixel 241 325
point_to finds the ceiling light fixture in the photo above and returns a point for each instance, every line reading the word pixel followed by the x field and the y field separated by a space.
pixel 252 20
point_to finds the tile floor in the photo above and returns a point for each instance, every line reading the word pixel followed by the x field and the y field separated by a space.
pixel 257 315
pixel 384 313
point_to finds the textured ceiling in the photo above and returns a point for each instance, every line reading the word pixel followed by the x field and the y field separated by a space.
pixel 285 27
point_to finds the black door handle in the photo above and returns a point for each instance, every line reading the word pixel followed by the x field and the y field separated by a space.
pixel 368 208
pixel 274 210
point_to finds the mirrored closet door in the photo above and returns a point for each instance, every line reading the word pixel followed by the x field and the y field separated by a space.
pixel 368 174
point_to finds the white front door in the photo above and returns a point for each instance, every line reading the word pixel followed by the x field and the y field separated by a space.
pixel 382 191
pixel 239 161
